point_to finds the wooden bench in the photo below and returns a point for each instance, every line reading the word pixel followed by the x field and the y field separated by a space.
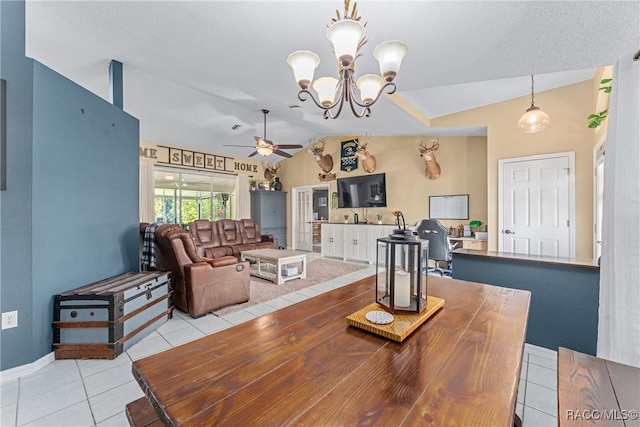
pixel 141 414
pixel 595 391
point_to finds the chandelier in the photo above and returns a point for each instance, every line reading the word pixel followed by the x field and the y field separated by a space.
pixel 346 36
pixel 534 119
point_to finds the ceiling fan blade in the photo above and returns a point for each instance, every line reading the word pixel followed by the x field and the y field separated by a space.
pixel 282 153
pixel 288 146
pixel 253 154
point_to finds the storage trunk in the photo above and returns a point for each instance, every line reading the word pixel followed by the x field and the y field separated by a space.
pixel 101 320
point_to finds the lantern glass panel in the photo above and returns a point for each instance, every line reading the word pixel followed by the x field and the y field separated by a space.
pixel 401 280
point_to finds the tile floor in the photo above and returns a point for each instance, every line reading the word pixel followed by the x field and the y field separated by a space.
pixel 94 392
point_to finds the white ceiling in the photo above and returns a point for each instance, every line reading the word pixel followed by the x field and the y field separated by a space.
pixel 192 70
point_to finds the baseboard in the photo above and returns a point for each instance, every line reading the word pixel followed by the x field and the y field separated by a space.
pixel 12 374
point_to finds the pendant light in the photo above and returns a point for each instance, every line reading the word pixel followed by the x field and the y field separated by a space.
pixel 534 119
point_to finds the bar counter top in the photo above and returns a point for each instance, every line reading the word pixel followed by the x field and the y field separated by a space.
pixel 580 262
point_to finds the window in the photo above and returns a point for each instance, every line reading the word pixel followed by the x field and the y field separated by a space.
pixel 184 196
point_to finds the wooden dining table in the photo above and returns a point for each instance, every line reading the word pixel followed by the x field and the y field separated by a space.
pixel 303 365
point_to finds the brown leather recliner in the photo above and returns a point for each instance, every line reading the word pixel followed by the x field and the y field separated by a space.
pixel 200 285
pixel 225 237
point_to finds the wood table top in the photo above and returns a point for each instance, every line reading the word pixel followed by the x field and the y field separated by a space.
pixel 303 365
pixel 596 392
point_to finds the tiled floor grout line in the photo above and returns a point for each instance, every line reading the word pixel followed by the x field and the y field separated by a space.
pixel 86 393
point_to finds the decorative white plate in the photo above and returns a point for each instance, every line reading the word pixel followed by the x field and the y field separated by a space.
pixel 379 317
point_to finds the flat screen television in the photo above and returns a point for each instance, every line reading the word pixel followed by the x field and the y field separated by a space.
pixel 364 191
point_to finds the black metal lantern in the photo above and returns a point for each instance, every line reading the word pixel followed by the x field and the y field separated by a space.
pixel 401 279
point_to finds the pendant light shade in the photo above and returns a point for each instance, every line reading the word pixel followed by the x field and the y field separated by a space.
pixel 534 119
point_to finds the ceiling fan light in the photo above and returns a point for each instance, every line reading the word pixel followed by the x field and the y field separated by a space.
pixel 534 120
pixel 326 89
pixel 345 35
pixel 303 64
pixel 369 86
pixel 389 55
pixel 265 151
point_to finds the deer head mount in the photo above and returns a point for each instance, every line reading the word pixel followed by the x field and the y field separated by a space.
pixel 324 160
pixel 270 170
pixel 432 168
pixel 368 161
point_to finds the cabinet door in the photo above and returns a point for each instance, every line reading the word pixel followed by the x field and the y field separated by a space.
pixel 337 242
pixel 272 208
pixel 326 238
pixel 356 241
pixel 375 233
pixel 350 241
pixel 332 242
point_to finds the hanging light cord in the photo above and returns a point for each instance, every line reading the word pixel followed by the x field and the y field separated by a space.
pixel 532 98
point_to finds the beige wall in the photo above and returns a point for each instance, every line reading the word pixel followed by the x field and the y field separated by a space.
pixel 568 108
pixel 462 160
pixel 469 164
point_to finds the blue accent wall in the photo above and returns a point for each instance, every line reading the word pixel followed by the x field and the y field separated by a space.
pixel 15 201
pixel 69 216
pixel 85 192
pixel 564 298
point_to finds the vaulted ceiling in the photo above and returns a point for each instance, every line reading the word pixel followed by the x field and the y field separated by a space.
pixel 193 70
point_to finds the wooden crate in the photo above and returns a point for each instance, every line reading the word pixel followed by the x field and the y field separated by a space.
pixel 103 319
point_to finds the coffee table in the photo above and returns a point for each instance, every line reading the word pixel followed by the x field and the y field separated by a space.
pixel 276 265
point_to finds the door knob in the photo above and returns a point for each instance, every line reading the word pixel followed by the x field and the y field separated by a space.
pixel 509 232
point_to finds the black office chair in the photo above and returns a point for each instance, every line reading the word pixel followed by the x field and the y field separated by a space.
pixel 439 245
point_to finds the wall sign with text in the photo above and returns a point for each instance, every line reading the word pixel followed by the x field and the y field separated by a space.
pixel 348 158
pixel 197 160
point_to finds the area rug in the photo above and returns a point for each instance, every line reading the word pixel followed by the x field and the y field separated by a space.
pixel 318 271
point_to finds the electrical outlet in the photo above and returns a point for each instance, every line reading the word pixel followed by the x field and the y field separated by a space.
pixel 10 319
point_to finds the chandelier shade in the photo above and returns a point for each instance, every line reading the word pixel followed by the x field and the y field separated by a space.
pixel 534 119
pixel 326 88
pixel 347 37
pixel 304 64
pixel 369 86
pixel 389 55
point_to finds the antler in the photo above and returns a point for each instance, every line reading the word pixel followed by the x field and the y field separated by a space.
pixel 434 143
pixel 320 147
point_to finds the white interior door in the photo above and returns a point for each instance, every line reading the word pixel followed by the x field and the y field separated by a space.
pixel 303 211
pixel 536 215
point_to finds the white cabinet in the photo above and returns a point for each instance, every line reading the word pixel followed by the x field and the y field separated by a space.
pixel 332 240
pixel 354 242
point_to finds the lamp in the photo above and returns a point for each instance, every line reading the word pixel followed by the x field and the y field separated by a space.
pixel 534 119
pixel 347 38
pixel 264 150
pixel 401 280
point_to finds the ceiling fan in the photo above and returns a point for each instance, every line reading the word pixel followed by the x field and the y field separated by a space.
pixel 264 146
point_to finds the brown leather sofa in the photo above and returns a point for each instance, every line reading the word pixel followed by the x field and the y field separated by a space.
pixel 200 285
pixel 227 237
